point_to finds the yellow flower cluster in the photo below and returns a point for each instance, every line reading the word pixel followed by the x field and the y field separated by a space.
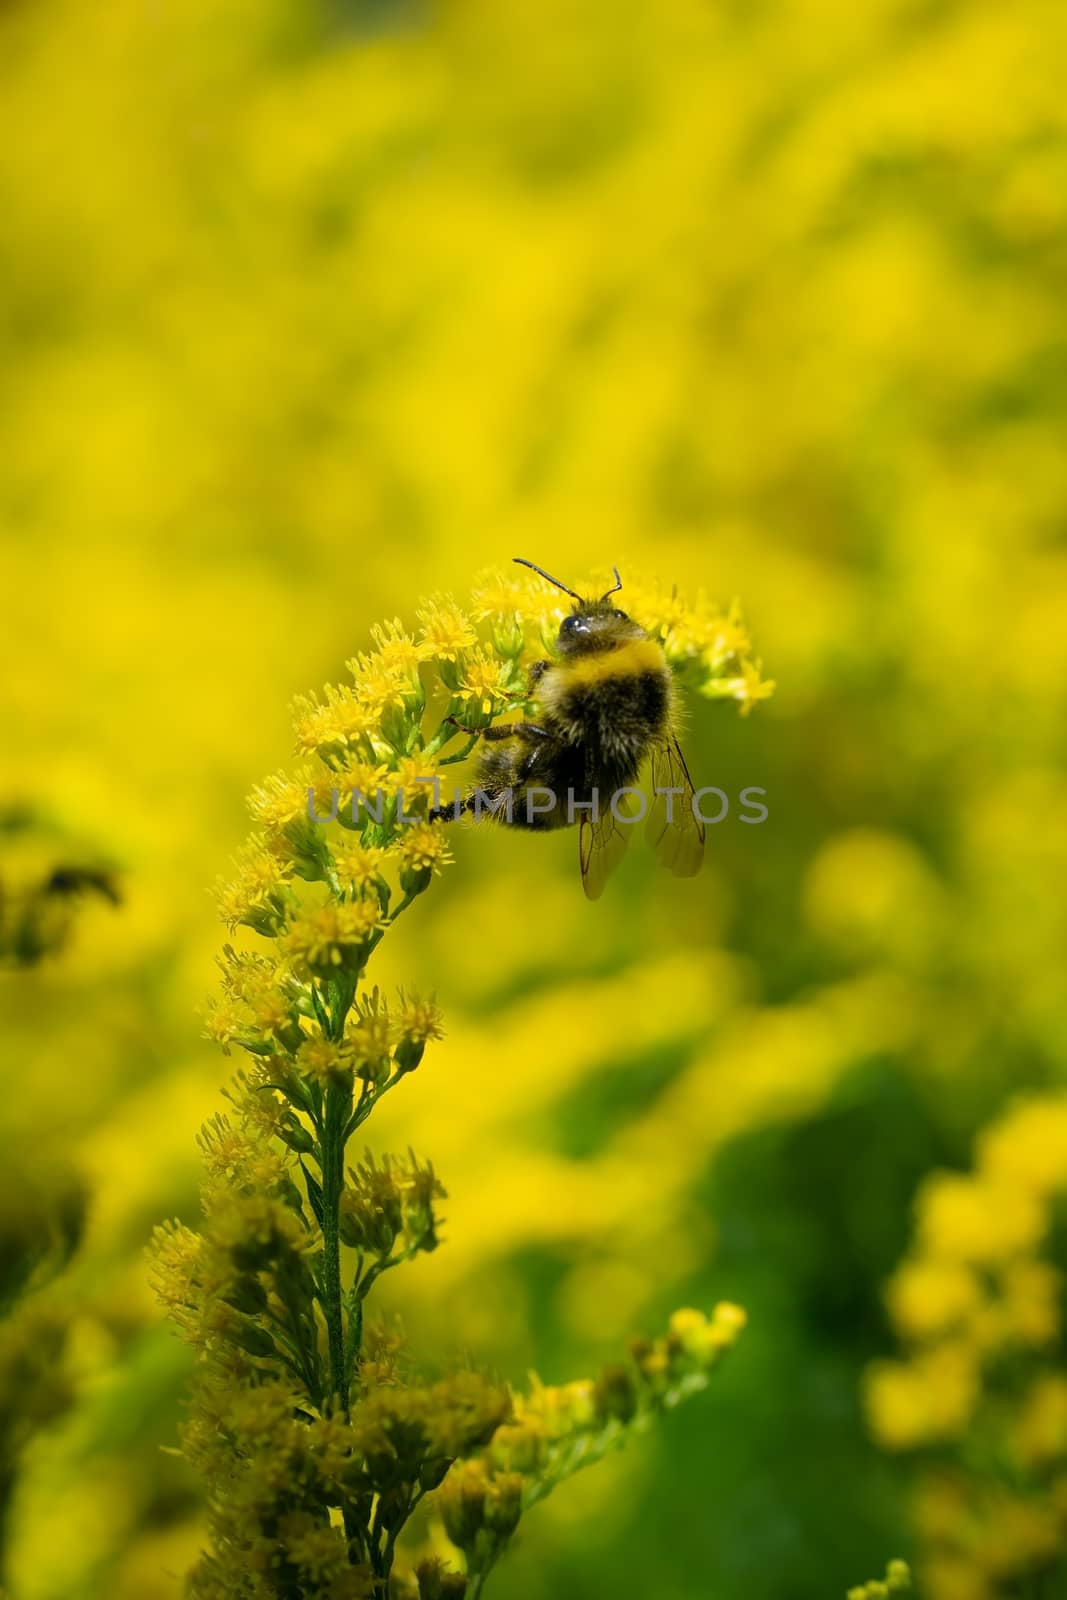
pixel 897 1579
pixel 556 1431
pixel 979 1309
pixel 315 1447
pixel 346 842
pixel 708 648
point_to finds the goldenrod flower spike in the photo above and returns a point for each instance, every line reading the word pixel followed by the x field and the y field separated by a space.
pixel 314 1444
pixel 977 1305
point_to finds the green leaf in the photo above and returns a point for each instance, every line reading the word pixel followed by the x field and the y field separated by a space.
pixel 314 1188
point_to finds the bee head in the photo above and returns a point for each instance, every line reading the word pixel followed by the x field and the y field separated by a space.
pixel 593 624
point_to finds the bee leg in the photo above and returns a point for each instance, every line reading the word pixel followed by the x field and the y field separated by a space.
pixel 450 813
pixel 537 672
pixel 517 730
pixel 461 727
pixel 504 730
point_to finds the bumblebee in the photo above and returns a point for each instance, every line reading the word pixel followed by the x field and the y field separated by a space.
pixel 68 882
pixel 605 705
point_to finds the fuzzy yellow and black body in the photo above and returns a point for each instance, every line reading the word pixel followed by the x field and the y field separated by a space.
pixel 603 707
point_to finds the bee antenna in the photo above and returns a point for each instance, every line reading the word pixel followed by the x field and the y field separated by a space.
pixel 541 573
pixel 617 585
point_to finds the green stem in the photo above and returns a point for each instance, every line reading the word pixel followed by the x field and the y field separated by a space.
pixel 461 755
pixel 354 1347
pixel 376 938
pixel 333 1160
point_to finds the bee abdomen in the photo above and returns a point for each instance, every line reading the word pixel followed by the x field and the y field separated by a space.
pixel 618 714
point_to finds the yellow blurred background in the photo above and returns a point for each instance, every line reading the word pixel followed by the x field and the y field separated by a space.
pixel 309 307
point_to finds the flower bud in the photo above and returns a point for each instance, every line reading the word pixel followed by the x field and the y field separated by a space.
pixel 417 1022
pixel 614 1395
pixel 437 1583
pixel 503 1505
pixel 308 855
pixel 369 1225
pixel 396 726
pixel 296 1136
pixel 462 1503
pixel 450 673
pixel 433 1473
pixel 409 1052
pixel 414 879
pixel 508 636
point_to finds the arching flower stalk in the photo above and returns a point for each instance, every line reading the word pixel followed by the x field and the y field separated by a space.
pixel 316 1444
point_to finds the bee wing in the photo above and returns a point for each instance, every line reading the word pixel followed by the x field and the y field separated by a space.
pixel 674 831
pixel 601 846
